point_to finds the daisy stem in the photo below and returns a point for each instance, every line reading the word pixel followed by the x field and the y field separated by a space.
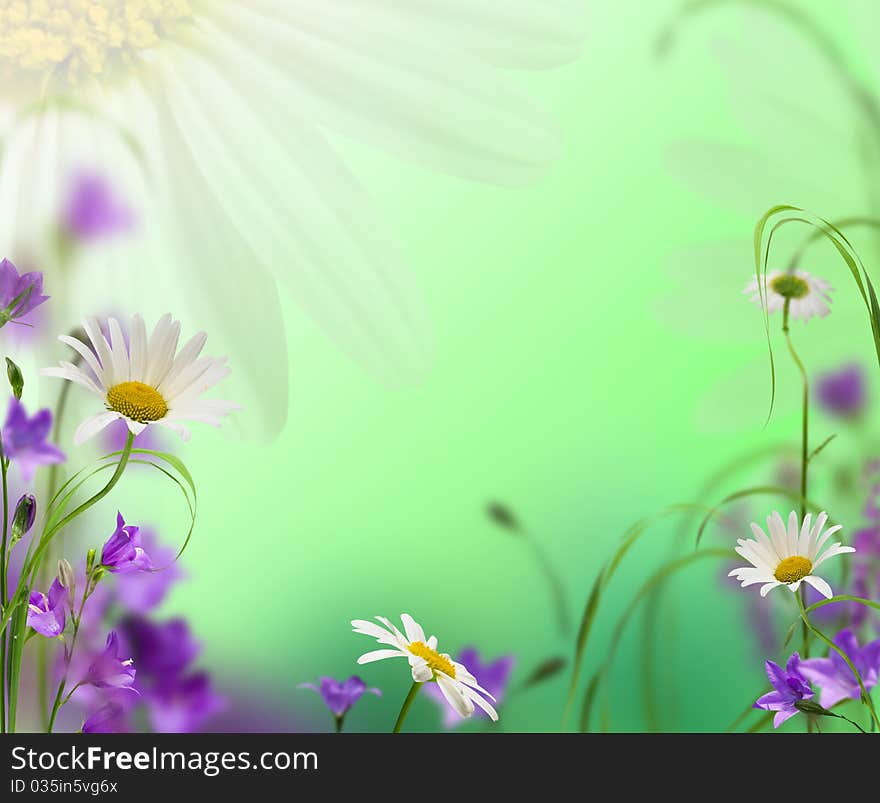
pixel 866 698
pixel 404 709
pixel 805 441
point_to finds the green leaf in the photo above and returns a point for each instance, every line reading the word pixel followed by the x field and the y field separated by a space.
pixel 16 380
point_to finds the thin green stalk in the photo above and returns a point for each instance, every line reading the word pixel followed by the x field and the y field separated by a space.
pixel 404 710
pixel 805 448
pixel 4 567
pixel 91 581
pixel 52 487
pixel 553 580
pixel 866 698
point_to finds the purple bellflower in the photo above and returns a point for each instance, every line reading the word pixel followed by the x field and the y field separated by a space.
pixel 24 439
pixel 46 612
pixel 107 670
pixel 789 688
pixel 835 678
pixel 340 696
pixel 20 294
pixel 123 552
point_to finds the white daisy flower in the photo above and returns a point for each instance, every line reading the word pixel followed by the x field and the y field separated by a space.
pixel 227 121
pixel 790 555
pixel 807 295
pixel 459 687
pixel 147 381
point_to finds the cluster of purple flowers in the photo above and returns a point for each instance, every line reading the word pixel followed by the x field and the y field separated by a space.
pixel 167 691
pixel 143 667
pixel 793 685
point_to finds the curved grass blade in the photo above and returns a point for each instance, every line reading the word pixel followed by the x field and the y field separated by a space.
pixel 868 603
pixel 772 490
pixel 767 227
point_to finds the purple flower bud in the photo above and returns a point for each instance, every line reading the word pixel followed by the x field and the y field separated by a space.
pixel 123 552
pixel 108 670
pixel 46 612
pixel 23 519
pixel 340 696
pixel 20 294
pixel 66 576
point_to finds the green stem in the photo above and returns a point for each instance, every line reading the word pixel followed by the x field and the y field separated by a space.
pixel 556 586
pixel 404 709
pixel 52 487
pixel 4 567
pixel 29 573
pixel 866 698
pixel 805 448
pixel 56 706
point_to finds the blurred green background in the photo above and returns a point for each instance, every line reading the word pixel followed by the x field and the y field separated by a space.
pixel 563 386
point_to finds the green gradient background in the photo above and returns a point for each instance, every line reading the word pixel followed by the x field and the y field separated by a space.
pixel 557 388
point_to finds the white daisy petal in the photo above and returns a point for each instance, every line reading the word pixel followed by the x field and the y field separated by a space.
pixel 456 696
pixel 421 672
pixel 138 348
pixel 412 629
pixel 92 426
pixel 481 702
pixel 380 655
pixel 86 353
pixel 820 585
pixel 71 373
pixel 119 352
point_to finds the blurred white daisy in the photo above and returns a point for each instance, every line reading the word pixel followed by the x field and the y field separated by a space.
pixel 807 295
pixel 145 381
pixel 216 116
pixel 790 555
pixel 459 687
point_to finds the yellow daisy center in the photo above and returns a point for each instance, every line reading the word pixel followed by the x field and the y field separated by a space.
pixel 433 658
pixel 789 286
pixel 137 401
pixel 792 569
pixel 81 37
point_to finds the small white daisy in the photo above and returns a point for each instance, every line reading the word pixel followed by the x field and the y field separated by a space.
pixel 147 381
pixel 807 295
pixel 459 687
pixel 790 555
